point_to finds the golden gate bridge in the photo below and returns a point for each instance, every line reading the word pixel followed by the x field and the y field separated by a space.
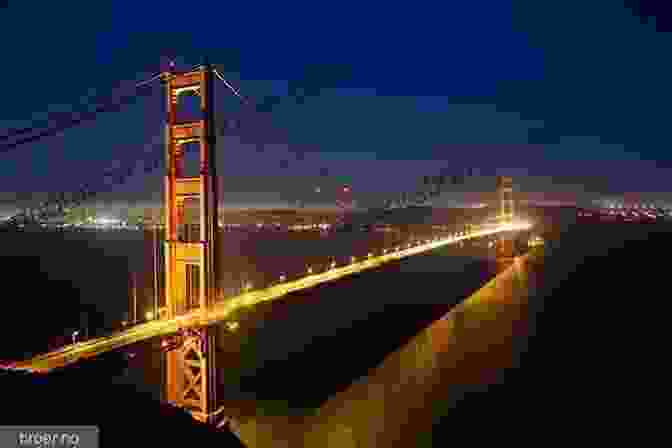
pixel 191 261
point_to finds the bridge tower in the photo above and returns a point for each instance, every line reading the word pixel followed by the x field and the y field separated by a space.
pixel 505 247
pixel 505 193
pixel 191 265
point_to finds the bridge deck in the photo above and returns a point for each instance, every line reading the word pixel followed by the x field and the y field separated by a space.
pixel 222 311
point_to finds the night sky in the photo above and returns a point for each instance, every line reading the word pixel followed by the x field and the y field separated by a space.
pixel 567 95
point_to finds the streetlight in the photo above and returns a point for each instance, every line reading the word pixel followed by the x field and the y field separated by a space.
pixel 149 315
pixel 74 336
pixel 135 298
pixel 333 264
pixel 310 270
pixel 157 253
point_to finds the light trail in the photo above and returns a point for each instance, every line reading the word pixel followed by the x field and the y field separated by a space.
pixel 223 310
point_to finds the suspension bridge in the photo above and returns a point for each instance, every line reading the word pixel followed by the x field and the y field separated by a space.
pixel 191 261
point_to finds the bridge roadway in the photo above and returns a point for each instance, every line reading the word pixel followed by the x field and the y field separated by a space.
pixel 221 311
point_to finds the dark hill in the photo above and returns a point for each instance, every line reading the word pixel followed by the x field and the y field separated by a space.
pixel 83 396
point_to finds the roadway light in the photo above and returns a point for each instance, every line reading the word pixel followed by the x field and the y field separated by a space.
pixel 248 286
pixel 333 264
pixel 283 278
pixel 74 336
pixel 384 251
pixel 310 270
pixel 149 315
pixel 369 255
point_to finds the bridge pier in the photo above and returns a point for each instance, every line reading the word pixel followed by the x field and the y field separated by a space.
pixel 191 375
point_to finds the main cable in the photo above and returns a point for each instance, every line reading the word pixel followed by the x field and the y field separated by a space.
pixel 84 117
pixel 113 99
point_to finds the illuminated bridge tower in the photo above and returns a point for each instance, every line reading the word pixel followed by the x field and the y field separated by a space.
pixel 190 265
pixel 505 193
pixel 505 247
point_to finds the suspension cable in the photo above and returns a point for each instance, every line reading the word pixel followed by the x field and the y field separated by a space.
pixel 57 204
pixel 227 84
pixel 16 132
pixel 438 183
pixel 86 191
pixel 84 117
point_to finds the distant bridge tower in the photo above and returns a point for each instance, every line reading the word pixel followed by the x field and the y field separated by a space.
pixel 191 265
pixel 505 246
pixel 505 193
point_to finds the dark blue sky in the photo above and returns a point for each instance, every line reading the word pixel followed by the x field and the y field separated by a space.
pixel 573 91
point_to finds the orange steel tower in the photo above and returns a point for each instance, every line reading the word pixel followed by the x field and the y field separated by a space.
pixel 191 264
pixel 505 193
